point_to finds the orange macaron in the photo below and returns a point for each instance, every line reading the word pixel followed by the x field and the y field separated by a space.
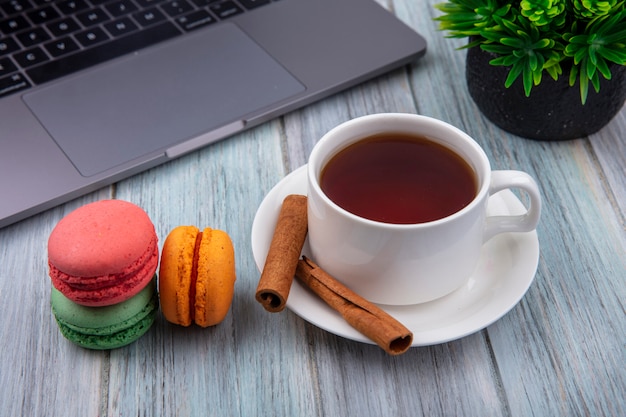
pixel 196 276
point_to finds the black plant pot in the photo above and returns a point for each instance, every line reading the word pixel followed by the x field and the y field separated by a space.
pixel 553 111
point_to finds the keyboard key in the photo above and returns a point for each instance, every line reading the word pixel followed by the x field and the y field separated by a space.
pixel 33 37
pixel 251 4
pixel 92 17
pixel 91 37
pixel 72 6
pixel 121 8
pixel 13 84
pixel 176 7
pixel 8 46
pixel 61 46
pixel 202 3
pixel 195 20
pixel 42 2
pixel 13 24
pixel 149 3
pixel 30 57
pixel 16 6
pixel 120 27
pixel 43 15
pixel 101 53
pixel 225 9
pixel 149 16
pixel 6 66
pixel 63 26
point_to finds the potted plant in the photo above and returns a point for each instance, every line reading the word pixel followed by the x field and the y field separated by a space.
pixel 549 70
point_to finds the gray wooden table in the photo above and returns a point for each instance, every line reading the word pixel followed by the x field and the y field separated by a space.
pixel 560 352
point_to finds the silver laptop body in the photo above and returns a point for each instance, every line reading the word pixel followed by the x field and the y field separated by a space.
pixel 63 137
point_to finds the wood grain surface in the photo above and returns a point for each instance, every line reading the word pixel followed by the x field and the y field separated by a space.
pixel 560 352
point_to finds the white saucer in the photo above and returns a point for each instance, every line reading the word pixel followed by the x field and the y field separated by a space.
pixel 506 269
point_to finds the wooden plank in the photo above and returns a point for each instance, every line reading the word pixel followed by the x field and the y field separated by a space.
pixel 357 379
pixel 454 378
pixel 565 318
pixel 564 333
pixel 38 366
pixel 559 352
pixel 243 366
pixel 610 147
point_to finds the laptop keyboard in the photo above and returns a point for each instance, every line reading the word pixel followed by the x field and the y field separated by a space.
pixel 41 40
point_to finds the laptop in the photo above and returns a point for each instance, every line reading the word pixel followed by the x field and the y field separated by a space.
pixel 94 91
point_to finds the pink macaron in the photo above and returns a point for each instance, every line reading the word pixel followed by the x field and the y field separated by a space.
pixel 103 253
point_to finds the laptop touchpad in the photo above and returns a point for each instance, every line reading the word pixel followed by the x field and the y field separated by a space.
pixel 158 98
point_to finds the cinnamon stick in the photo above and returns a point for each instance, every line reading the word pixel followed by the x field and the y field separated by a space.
pixel 284 252
pixel 364 316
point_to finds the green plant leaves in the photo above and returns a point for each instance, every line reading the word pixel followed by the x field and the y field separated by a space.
pixel 588 9
pixel 533 36
pixel 544 12
pixel 602 41
pixel 467 18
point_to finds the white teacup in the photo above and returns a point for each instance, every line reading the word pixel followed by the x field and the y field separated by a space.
pixel 402 264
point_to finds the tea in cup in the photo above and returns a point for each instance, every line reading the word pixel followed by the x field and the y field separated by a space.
pixel 397 206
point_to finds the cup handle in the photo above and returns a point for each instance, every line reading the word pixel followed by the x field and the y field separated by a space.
pixel 501 180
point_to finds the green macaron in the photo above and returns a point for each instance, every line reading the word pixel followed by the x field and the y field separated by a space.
pixel 106 327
